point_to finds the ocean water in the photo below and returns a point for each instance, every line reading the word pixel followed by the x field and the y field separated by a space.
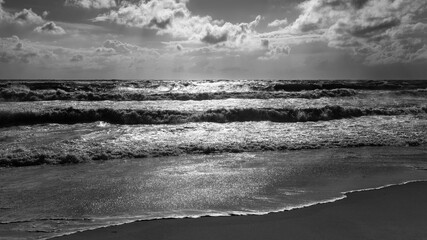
pixel 45 201
pixel 82 155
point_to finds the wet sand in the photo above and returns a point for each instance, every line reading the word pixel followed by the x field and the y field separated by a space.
pixel 397 212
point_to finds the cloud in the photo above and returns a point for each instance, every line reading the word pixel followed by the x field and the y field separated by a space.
pixel 50 28
pixel 111 53
pixel 77 58
pixel 23 17
pixel 19 46
pixel 2 12
pixel 27 16
pixel 278 23
pixel 156 14
pixel 6 57
pixel 265 43
pixel 11 50
pixel 378 31
pixel 172 17
pixel 117 47
pixel 96 4
pixel 275 52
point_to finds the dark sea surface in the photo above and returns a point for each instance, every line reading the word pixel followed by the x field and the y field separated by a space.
pixel 78 155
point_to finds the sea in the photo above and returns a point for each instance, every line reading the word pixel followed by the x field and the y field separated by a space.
pixel 83 154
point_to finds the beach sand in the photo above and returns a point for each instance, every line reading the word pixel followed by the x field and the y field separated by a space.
pixel 397 212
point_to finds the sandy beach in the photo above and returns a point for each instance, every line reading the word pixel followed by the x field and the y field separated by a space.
pixel 396 212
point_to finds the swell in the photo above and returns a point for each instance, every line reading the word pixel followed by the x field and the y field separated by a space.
pixel 145 90
pixel 350 84
pixel 19 94
pixel 264 85
pixel 127 116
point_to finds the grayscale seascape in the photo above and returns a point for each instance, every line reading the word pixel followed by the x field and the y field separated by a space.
pixel 213 119
pixel 92 164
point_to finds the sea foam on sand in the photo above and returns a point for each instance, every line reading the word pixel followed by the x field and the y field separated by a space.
pixel 390 212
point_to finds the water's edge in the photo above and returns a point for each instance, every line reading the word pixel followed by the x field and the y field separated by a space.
pixel 344 195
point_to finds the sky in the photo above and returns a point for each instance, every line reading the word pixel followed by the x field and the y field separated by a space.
pixel 213 39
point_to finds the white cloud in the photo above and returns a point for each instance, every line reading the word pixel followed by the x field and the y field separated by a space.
pixel 50 28
pixel 274 52
pixel 113 53
pixel 23 17
pixel 172 17
pixel 378 31
pixel 117 47
pixel 27 16
pixel 97 4
pixel 278 23
pixel 11 50
pixel 157 14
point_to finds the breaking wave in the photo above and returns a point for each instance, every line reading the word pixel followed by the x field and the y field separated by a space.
pixel 127 116
pixel 194 90
pixel 23 94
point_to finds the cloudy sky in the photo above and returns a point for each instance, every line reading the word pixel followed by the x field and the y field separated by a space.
pixel 199 39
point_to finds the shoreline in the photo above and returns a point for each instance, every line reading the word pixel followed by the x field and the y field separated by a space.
pixel 387 212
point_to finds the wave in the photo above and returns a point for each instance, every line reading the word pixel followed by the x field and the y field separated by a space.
pixel 19 94
pixel 53 144
pixel 350 84
pixel 126 116
pixel 194 90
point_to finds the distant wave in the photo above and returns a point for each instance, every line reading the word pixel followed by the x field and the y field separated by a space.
pixel 350 84
pixel 194 90
pixel 126 116
pixel 17 94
